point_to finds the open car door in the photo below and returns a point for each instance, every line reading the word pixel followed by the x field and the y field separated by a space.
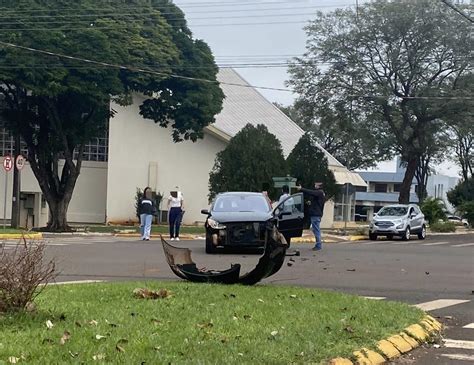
pixel 290 216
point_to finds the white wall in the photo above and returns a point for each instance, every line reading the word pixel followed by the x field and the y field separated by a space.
pixel 141 153
pixel 438 187
pixel 88 202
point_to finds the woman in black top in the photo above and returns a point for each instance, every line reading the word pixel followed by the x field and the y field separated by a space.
pixel 147 209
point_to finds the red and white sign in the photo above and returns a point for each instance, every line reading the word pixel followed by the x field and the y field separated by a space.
pixel 20 162
pixel 7 163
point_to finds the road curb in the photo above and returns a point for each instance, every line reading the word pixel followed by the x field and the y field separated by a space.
pixel 18 236
pixel 358 238
pixel 394 346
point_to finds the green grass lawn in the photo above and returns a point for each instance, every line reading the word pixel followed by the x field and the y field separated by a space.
pixel 198 324
pixel 13 231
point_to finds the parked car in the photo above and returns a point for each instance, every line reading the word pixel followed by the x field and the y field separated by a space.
pixel 458 220
pixel 240 219
pixel 398 220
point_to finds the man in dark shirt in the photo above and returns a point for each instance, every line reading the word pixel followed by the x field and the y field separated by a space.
pixel 316 210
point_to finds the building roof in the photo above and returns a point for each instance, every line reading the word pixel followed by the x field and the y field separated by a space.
pixel 382 177
pixel 243 105
pixel 382 197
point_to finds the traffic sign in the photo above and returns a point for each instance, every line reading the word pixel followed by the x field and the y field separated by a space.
pixel 7 163
pixel 20 162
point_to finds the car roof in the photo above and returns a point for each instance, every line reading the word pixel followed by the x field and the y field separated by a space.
pixel 236 193
pixel 400 205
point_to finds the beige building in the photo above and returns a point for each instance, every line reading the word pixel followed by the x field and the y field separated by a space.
pixel 139 153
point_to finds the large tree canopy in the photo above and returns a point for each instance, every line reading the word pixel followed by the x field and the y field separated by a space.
pixel 57 104
pixel 393 60
pixel 250 161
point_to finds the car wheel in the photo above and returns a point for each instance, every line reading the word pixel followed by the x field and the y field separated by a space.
pixel 372 236
pixel 210 248
pixel 390 236
pixel 406 234
pixel 422 234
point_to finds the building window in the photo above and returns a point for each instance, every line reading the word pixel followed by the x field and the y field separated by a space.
pixel 396 188
pixel 361 189
pixel 95 150
pixel 380 188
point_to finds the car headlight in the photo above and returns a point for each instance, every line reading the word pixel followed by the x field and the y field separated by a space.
pixel 215 224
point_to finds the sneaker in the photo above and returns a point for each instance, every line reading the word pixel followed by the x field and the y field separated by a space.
pixel 147 239
pixel 316 248
pixel 177 238
pixel 172 238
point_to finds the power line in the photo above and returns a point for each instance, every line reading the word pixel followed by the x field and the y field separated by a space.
pixel 140 70
pixel 158 12
pixel 457 10
pixel 125 25
pixel 188 19
pixel 234 4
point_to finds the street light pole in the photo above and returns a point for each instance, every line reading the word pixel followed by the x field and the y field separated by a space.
pixel 15 221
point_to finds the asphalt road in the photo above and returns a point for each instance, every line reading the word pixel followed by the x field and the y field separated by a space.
pixel 437 273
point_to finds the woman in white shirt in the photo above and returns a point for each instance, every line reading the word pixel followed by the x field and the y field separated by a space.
pixel 176 211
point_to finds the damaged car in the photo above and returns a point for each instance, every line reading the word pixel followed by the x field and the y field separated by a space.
pixel 242 220
pixel 239 220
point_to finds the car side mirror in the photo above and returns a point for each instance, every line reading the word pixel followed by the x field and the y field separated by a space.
pixel 205 211
pixel 412 215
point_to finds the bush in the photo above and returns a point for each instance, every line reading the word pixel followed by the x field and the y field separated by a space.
pixel 22 270
pixel 468 211
pixel 443 227
pixel 434 210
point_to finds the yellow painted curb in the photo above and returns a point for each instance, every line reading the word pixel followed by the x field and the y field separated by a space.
pixel 413 343
pixel 358 238
pixel 396 345
pixel 401 344
pixel 340 361
pixel 388 349
pixel 417 332
pixel 18 236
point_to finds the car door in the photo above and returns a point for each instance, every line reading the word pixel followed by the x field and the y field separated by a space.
pixel 290 215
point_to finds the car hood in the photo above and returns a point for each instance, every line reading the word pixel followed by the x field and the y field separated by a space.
pixel 225 217
pixel 389 218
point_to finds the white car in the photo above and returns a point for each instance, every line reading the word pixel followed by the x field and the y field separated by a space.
pixel 458 220
pixel 401 220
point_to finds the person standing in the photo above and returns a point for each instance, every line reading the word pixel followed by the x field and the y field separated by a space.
pixel 176 211
pixel 147 209
pixel 316 209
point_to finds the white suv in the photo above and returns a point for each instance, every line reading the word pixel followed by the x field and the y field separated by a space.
pixel 398 220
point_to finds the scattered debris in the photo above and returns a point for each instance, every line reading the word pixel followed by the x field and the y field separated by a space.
pixel 66 337
pixel 49 324
pixel 143 293
pixel 351 270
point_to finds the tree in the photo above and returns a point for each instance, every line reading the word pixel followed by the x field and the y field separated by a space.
pixel 393 60
pixel 309 165
pixel 434 209
pixel 59 104
pixel 252 158
pixel 462 198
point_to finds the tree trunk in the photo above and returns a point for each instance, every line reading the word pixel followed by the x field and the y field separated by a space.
pixel 404 197
pixel 58 216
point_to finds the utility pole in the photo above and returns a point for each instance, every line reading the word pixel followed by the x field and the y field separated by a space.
pixel 15 221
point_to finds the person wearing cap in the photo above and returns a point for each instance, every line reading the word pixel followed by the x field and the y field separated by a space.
pixel 316 210
pixel 176 211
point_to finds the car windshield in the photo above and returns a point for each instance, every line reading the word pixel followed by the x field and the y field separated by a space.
pixel 392 211
pixel 241 203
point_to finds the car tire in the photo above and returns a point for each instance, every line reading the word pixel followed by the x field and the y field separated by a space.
pixel 422 234
pixel 372 236
pixel 406 234
pixel 209 246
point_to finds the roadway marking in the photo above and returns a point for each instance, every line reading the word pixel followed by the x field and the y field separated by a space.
pixel 434 244
pixel 459 357
pixel 464 245
pixel 399 243
pixel 470 326
pixel 75 282
pixel 459 344
pixel 440 303
pixel 375 298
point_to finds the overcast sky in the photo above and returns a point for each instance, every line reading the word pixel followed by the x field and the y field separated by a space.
pixel 259 42
pixel 275 35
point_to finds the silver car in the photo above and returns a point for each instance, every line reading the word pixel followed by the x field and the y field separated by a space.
pixel 401 220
